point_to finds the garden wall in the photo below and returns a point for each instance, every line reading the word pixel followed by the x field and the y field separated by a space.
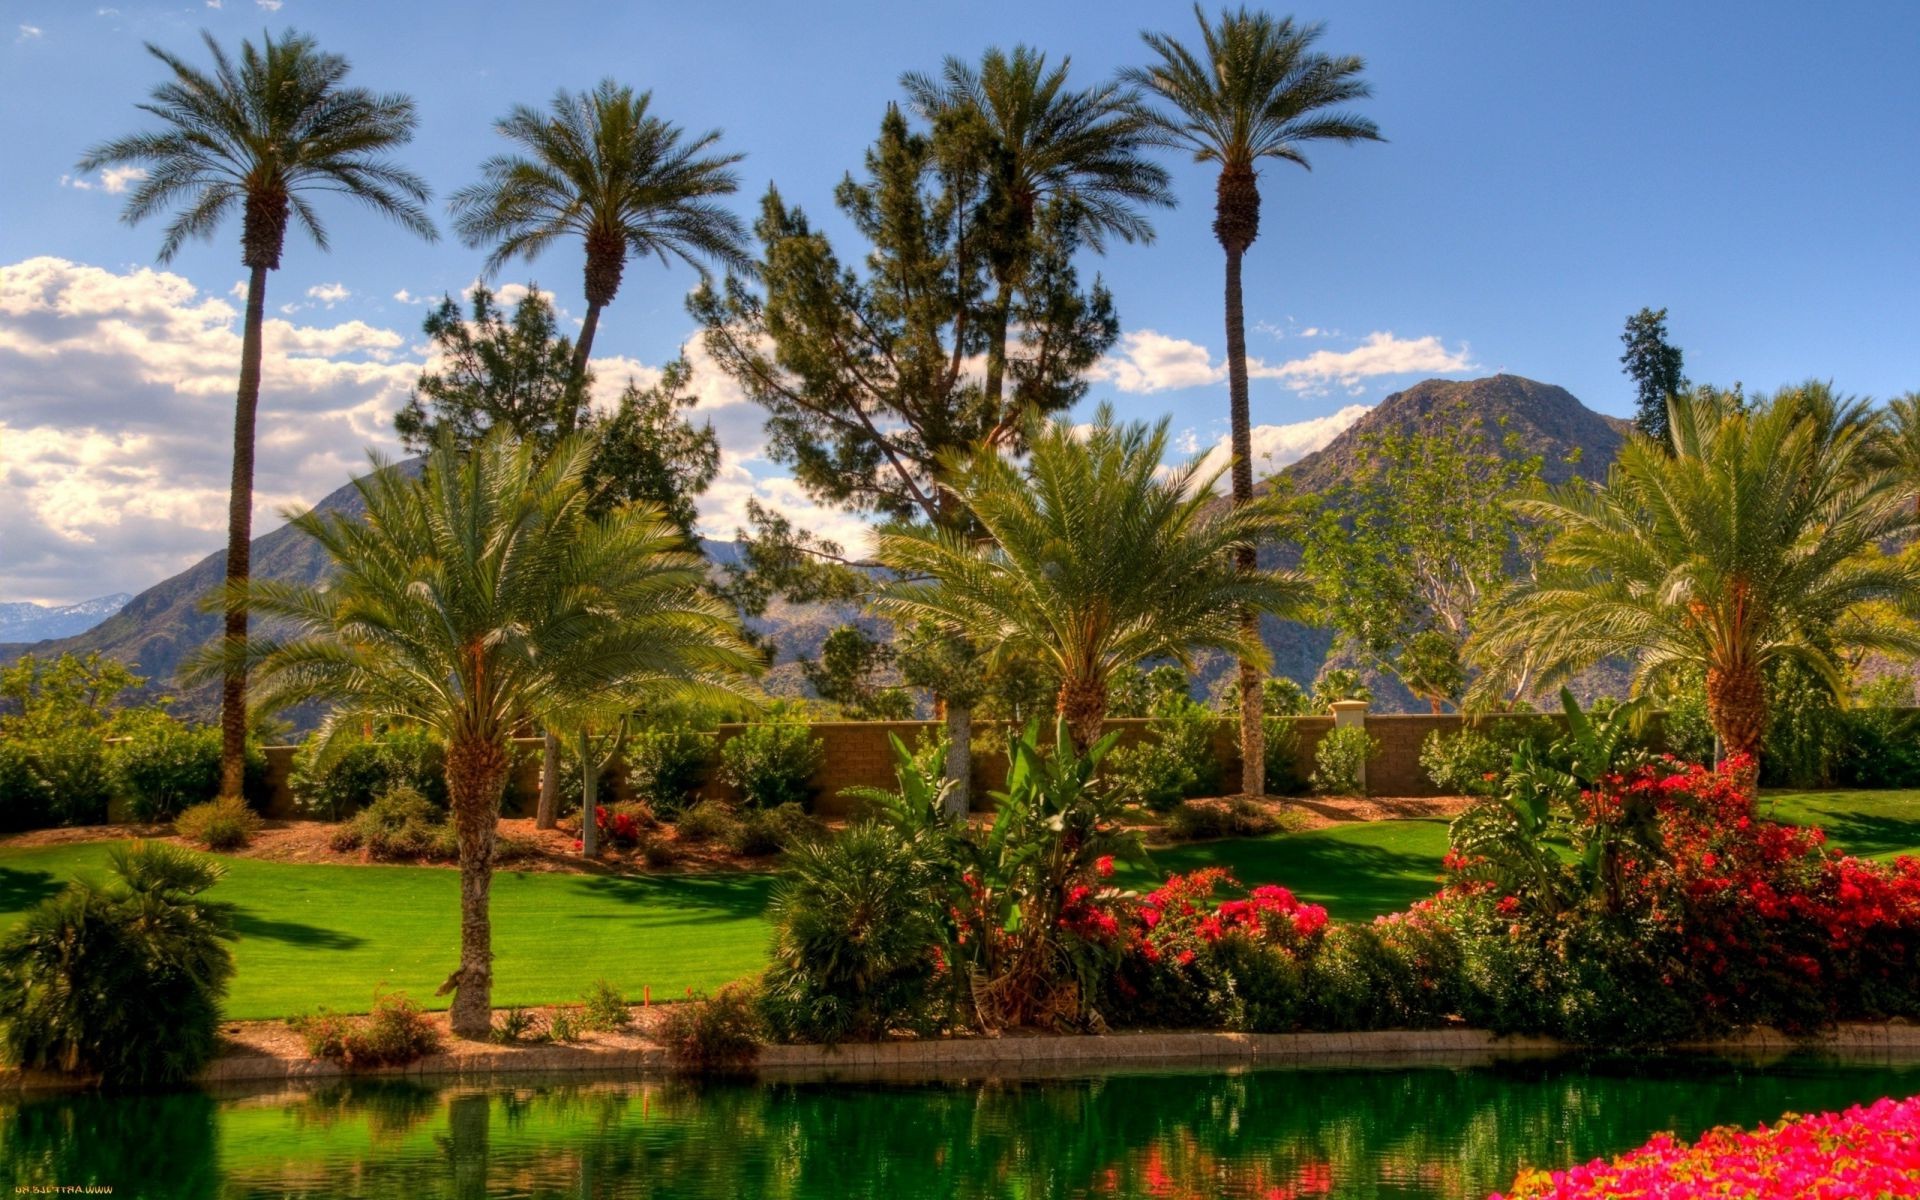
pixel 858 754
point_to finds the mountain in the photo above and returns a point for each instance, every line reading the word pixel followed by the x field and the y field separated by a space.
pixel 23 621
pixel 158 627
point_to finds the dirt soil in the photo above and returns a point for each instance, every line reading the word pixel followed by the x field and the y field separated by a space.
pixel 279 1039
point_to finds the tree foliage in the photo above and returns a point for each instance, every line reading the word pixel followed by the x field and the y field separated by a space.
pixel 1657 368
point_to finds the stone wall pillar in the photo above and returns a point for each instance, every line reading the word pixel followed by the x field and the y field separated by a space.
pixel 1352 714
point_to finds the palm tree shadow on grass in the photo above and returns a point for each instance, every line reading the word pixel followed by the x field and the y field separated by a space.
pixel 1354 880
pixel 22 889
pixel 725 897
pixel 1865 834
pixel 294 933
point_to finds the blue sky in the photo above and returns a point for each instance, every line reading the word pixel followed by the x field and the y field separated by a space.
pixel 1549 169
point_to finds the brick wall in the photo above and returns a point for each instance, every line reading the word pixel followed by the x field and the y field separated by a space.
pixel 858 754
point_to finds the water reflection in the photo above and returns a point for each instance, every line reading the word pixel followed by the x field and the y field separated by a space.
pixel 1425 1132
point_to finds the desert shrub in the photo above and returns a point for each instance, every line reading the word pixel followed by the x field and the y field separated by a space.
pixel 1339 760
pixel 1473 761
pixel 1177 763
pixel 625 824
pixel 1283 754
pixel 707 821
pixel 657 851
pixel 338 785
pixel 399 824
pixel 519 1025
pixel 1882 744
pixel 1397 973
pixel 766 831
pixel 164 766
pixel 854 938
pixel 772 763
pixel 75 776
pixel 712 1035
pixel 667 764
pixel 1205 820
pixel 122 980
pixel 396 1032
pixel 218 824
pixel 603 1007
pixel 24 803
pixel 564 1025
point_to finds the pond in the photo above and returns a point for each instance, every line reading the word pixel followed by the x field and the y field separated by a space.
pixel 1409 1132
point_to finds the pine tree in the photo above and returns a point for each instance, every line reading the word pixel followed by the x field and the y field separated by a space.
pixel 1655 366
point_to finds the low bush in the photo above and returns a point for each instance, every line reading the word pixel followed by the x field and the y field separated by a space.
pixel 399 824
pixel 666 766
pixel 359 771
pixel 713 1035
pixel 396 1032
pixel 515 1025
pixel 625 824
pixel 658 851
pixel 24 802
pixel 74 775
pixel 1177 763
pixel 1205 820
pixel 1283 756
pixel 707 821
pixel 218 824
pixel 604 1008
pixel 564 1025
pixel 854 939
pixel 761 832
pixel 123 980
pixel 772 763
pixel 162 766
pixel 1340 760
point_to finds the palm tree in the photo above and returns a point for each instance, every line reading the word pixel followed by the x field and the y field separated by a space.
pixel 475 597
pixel 1901 443
pixel 264 134
pixel 1748 543
pixel 1093 558
pixel 1044 144
pixel 601 167
pixel 1261 91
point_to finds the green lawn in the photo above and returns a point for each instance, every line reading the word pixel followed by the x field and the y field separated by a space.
pixel 329 935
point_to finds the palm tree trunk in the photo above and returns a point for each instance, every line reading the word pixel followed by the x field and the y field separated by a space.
pixel 233 688
pixel 547 815
pixel 582 353
pixel 998 320
pixel 959 775
pixel 1737 709
pixel 1083 702
pixel 1253 733
pixel 476 775
pixel 589 799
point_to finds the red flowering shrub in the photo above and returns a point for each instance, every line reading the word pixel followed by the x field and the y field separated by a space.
pixel 1864 1151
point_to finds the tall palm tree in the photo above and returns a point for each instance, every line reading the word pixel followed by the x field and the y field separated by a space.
pixel 1901 443
pixel 1044 143
pixel 1746 544
pixel 1261 91
pixel 1092 557
pixel 475 597
pixel 264 134
pixel 601 167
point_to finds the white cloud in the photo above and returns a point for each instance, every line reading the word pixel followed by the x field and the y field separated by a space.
pixel 1150 361
pixel 79 183
pixel 116 179
pixel 1379 354
pixel 270 5
pixel 213 3
pixel 328 294
pixel 406 297
pixel 29 32
pixel 1277 446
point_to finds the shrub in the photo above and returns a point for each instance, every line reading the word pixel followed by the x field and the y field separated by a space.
pixel 564 1025
pixel 400 824
pixel 603 1007
pixel 24 803
pixel 122 980
pixel 398 1031
pixel 854 938
pixel 1205 820
pixel 518 1025
pixel 74 774
pixel 667 764
pixel 218 824
pixel 761 832
pixel 1283 754
pixel 163 765
pixel 707 821
pixel 624 824
pixel 1396 973
pixel 657 851
pixel 362 769
pixel 1179 762
pixel 717 1034
pixel 772 763
pixel 1339 760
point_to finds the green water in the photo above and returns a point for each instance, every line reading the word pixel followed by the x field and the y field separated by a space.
pixel 1421 1132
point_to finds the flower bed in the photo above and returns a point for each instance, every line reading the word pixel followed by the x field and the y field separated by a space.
pixel 1862 1152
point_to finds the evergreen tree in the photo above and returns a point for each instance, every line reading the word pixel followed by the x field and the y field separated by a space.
pixel 1655 366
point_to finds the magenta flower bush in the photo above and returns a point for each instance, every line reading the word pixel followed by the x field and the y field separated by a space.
pixel 1863 1152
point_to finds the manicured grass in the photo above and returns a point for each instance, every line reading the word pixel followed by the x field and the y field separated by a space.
pixel 330 935
pixel 1879 825
pixel 315 935
pixel 1357 871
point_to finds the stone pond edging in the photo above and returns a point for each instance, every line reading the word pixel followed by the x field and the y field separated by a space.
pixel 967 1055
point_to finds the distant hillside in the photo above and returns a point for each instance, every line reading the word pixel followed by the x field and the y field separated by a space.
pixel 23 621
pixel 159 626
